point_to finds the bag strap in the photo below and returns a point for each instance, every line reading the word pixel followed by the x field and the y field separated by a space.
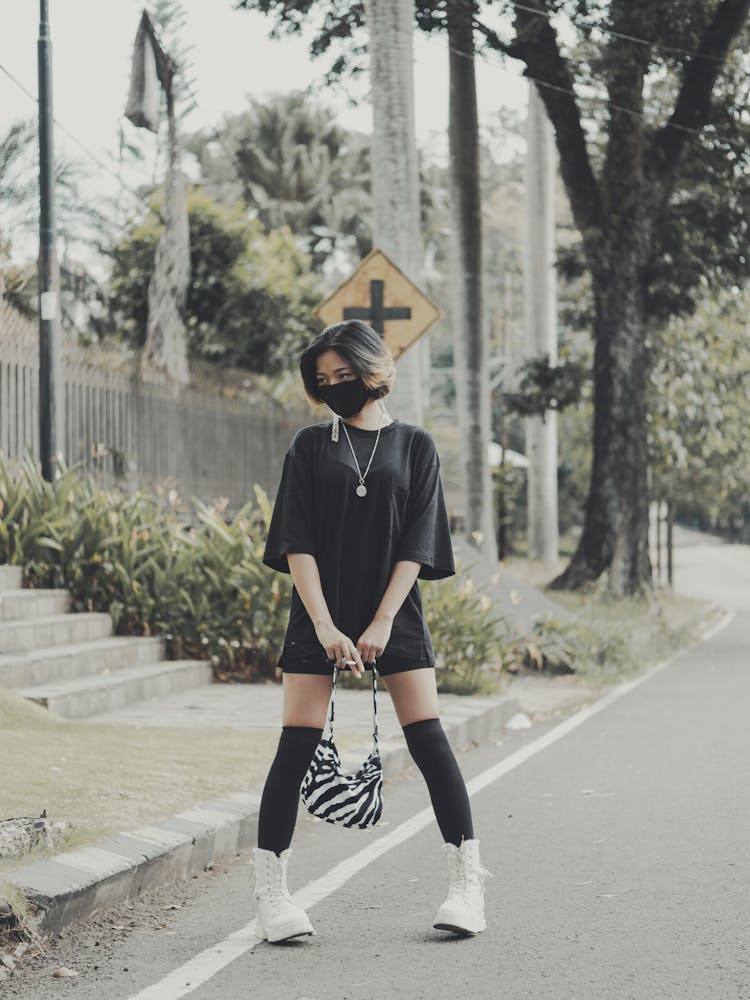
pixel 331 711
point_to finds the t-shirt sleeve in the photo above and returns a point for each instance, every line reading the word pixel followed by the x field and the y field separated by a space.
pixel 427 537
pixel 292 527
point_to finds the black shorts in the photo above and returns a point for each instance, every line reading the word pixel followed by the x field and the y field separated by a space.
pixel 307 661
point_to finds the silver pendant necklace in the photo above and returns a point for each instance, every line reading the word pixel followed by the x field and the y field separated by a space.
pixel 361 489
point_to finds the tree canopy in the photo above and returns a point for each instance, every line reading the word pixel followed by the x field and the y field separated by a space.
pixel 251 296
pixel 700 412
pixel 640 96
pixel 706 225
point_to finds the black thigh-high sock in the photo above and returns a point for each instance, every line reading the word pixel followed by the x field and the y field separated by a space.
pixel 278 804
pixel 432 754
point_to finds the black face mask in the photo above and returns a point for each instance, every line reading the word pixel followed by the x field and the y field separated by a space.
pixel 345 398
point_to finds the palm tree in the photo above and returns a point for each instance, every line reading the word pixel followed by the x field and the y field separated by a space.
pixel 295 166
pixel 17 192
pixel 18 184
pixel 470 334
pixel 80 224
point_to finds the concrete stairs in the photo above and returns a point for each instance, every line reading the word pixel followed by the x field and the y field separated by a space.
pixel 72 663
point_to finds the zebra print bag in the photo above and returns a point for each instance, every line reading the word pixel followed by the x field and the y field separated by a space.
pixel 350 799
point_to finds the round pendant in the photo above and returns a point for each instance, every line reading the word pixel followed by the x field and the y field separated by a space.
pixel 361 490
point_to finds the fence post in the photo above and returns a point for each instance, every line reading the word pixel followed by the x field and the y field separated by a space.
pixel 670 542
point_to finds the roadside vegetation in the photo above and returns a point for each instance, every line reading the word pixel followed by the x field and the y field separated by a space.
pixel 159 566
pixel 195 576
pixel 603 640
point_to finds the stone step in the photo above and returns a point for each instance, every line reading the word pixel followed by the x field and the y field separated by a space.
pixel 84 696
pixel 15 604
pixel 11 577
pixel 62 663
pixel 54 630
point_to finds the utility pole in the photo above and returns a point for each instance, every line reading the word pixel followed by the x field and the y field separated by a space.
pixel 50 388
pixel 540 311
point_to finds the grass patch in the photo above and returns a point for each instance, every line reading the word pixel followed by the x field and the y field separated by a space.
pixel 566 546
pixel 21 926
pixel 611 640
pixel 623 638
pixel 102 779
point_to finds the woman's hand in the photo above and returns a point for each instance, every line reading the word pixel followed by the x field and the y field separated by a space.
pixel 339 647
pixel 375 638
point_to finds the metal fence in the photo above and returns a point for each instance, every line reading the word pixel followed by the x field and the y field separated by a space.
pixel 121 430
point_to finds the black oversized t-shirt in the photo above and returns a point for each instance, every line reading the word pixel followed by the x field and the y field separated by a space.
pixel 357 541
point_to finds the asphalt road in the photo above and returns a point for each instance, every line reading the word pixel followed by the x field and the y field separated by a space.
pixel 618 842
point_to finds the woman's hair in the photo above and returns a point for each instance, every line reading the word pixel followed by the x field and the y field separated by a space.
pixel 364 350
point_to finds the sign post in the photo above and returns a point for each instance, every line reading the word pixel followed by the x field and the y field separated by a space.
pixel 381 295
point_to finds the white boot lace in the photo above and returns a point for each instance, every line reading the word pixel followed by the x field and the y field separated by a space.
pixel 466 878
pixel 274 889
pixel 459 877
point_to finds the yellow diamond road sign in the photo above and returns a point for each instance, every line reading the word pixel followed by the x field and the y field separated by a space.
pixel 381 295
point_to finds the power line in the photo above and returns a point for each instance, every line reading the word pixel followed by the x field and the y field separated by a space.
pixel 699 133
pixel 92 156
pixel 604 102
pixel 617 107
pixel 18 83
pixel 619 34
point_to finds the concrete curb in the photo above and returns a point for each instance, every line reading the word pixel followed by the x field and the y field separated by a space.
pixel 76 884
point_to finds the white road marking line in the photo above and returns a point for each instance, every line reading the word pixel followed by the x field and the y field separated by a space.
pixel 193 974
pixel 202 967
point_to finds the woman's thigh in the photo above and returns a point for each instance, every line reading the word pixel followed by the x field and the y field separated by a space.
pixel 414 695
pixel 306 698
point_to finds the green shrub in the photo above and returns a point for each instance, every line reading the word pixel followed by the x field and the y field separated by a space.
pixel 155 566
pixel 221 601
pixel 472 643
pixel 549 647
pixel 189 574
pixel 573 647
pixel 27 502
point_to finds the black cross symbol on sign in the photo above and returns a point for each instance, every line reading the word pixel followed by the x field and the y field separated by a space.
pixel 376 314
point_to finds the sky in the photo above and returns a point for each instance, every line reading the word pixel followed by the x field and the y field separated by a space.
pixel 232 56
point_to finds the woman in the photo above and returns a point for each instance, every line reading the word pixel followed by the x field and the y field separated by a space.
pixel 359 516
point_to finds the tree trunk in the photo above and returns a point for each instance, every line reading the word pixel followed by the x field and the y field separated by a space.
pixel 395 171
pixel 615 534
pixel 164 357
pixel 540 321
pixel 616 212
pixel 469 326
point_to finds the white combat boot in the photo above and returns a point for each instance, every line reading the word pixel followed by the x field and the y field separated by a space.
pixel 277 917
pixel 463 910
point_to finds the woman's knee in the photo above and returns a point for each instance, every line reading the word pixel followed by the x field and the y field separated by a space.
pixel 306 698
pixel 414 695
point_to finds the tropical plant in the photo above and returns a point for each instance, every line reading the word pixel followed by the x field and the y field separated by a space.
pixel 473 643
pixel 157 566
